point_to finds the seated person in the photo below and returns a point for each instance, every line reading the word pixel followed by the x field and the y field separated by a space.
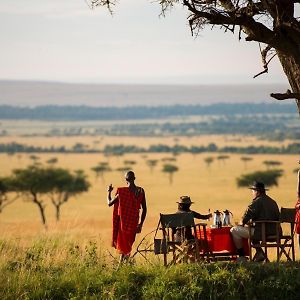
pixel 261 208
pixel 182 234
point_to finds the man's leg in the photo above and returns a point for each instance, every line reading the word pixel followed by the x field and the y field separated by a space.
pixel 238 234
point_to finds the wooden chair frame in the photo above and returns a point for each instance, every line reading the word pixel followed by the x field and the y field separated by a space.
pixel 279 240
pixel 181 250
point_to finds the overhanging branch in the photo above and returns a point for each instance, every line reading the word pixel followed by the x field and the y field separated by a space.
pixel 285 96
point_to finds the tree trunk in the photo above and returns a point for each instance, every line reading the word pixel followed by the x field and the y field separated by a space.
pixel 42 210
pixel 291 68
pixel 57 207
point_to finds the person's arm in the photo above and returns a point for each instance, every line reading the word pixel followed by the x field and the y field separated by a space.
pixel 202 217
pixel 251 212
pixel 143 215
pixel 110 200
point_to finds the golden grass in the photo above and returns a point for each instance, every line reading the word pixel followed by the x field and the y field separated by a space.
pixel 87 216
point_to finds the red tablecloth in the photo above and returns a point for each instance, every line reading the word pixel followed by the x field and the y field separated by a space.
pixel 220 240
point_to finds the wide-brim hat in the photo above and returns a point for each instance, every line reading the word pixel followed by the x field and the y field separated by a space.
pixel 185 200
pixel 258 186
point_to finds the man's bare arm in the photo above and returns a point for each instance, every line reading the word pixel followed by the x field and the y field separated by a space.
pixel 143 216
pixel 110 200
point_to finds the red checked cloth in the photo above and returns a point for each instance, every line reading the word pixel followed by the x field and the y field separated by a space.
pixel 126 218
pixel 297 219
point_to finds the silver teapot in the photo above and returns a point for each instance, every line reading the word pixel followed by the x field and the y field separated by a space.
pixel 226 217
pixel 217 219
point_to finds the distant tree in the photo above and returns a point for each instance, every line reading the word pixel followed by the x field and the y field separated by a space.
pixel 222 158
pixel 151 163
pixel 65 185
pixel 168 159
pixel 272 163
pixel 129 162
pixel 269 178
pixel 7 193
pixel 52 161
pixel 34 158
pixel 170 169
pixel 245 160
pixel 123 169
pixel 296 170
pixel 79 147
pixel 208 160
pixel 101 169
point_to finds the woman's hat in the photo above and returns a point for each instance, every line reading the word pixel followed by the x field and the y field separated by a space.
pixel 258 186
pixel 185 200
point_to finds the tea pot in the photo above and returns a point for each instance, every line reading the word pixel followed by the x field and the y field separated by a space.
pixel 217 222
pixel 226 217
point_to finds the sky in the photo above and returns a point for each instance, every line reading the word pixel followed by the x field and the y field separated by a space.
pixel 66 41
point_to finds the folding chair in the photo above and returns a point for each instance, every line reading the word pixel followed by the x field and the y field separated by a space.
pixel 279 240
pixel 287 216
pixel 174 241
pixel 266 240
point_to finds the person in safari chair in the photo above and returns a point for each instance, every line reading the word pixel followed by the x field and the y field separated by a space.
pixel 184 205
pixel 262 207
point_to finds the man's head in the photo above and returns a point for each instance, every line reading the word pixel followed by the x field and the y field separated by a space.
pixel 184 203
pixel 129 176
pixel 258 188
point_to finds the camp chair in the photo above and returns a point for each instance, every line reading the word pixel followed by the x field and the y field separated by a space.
pixel 172 226
pixel 287 216
pixel 279 240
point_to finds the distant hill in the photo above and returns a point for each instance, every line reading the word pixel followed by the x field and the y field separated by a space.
pixel 31 93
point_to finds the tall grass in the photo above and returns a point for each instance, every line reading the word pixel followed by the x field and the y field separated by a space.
pixel 58 268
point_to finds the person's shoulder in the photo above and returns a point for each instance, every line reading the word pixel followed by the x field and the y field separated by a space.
pixel 122 188
pixel 140 189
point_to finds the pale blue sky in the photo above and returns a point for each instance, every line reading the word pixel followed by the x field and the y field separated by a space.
pixel 63 40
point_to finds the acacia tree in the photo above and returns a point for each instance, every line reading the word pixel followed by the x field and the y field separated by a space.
pixel 170 169
pixel 271 23
pixel 246 159
pixel 272 163
pixel 208 160
pixel 32 182
pixel 269 178
pixel 100 169
pixel 64 185
pixel 151 163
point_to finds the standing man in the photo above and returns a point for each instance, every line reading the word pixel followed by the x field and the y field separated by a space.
pixel 262 208
pixel 127 203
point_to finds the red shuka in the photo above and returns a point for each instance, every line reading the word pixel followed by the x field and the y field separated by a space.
pixel 126 218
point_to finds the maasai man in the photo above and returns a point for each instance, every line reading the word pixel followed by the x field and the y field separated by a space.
pixel 127 203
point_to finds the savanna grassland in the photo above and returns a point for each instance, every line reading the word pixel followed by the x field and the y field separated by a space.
pixel 87 216
pixel 72 258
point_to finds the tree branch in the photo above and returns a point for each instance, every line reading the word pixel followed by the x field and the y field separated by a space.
pixel 285 96
pixel 255 30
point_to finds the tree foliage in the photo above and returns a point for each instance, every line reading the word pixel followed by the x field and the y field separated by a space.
pixel 269 178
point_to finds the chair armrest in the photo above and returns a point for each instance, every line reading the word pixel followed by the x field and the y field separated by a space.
pixel 263 221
